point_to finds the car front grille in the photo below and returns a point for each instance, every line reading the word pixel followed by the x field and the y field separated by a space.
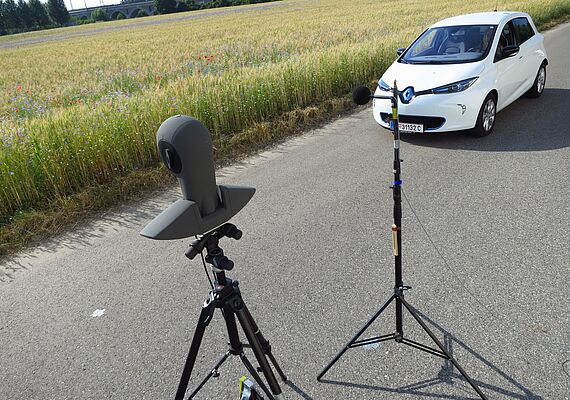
pixel 427 122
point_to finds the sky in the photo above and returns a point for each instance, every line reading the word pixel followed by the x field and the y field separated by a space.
pixel 77 4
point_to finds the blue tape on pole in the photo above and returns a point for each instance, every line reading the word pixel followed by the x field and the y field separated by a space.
pixel 397 183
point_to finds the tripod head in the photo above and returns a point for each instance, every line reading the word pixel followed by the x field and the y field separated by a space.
pixel 210 241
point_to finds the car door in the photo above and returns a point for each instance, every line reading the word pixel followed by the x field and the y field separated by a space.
pixel 510 70
pixel 528 55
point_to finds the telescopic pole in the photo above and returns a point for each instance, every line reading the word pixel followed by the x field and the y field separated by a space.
pixel 397 226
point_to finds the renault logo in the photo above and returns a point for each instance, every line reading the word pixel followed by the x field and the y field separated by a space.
pixel 407 95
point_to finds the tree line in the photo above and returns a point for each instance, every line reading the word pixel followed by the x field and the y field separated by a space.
pixel 172 6
pixel 22 16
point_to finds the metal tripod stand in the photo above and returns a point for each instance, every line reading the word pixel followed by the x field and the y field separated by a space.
pixel 399 288
pixel 226 296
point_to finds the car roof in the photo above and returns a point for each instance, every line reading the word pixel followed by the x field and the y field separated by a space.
pixel 485 18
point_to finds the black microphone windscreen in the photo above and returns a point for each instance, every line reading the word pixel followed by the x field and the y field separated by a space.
pixel 361 95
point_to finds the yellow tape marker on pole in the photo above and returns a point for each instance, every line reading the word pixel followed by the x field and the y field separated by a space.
pixel 395 239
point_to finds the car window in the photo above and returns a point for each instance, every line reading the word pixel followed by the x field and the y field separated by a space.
pixel 428 42
pixel 451 45
pixel 508 35
pixel 506 38
pixel 523 29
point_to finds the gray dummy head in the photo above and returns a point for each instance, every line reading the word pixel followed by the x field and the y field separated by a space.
pixel 185 147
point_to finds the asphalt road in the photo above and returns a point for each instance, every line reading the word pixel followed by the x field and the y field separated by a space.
pixel 490 277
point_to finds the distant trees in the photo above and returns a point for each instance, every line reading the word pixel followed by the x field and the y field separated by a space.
pixel 57 11
pixel 25 14
pixel 169 6
pixel 31 15
pixel 9 16
pixel 193 5
pixel 39 13
pixel 165 6
pixel 99 15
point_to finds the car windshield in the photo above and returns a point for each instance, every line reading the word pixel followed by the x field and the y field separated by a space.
pixel 451 45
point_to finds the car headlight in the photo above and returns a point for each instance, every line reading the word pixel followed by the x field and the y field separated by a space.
pixel 384 86
pixel 455 87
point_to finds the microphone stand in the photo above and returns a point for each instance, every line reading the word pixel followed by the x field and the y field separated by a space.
pixel 399 287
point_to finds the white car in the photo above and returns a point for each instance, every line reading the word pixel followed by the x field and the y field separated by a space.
pixel 461 71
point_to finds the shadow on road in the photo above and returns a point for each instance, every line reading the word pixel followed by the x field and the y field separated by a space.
pixel 132 217
pixel 526 125
pixel 448 376
pixel 298 390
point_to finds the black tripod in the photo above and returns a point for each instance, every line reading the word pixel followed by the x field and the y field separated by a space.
pixel 399 287
pixel 226 295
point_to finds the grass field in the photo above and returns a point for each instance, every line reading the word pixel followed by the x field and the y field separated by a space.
pixel 80 111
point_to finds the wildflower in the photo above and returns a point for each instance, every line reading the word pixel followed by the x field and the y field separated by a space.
pixel 19 88
pixel 11 172
pixel 27 91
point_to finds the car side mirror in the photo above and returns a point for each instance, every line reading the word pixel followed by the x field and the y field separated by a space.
pixel 400 51
pixel 509 51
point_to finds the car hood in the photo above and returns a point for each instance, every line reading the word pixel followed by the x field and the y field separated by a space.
pixel 429 76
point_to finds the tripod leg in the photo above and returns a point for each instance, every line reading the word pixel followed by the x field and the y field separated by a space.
pixel 264 342
pixel 355 337
pixel 236 347
pixel 442 348
pixel 256 347
pixel 213 372
pixel 205 318
pixel 277 367
pixel 250 368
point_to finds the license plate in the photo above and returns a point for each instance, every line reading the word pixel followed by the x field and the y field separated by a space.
pixel 410 128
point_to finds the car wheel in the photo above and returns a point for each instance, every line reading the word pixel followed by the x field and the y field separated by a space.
pixel 486 118
pixel 539 82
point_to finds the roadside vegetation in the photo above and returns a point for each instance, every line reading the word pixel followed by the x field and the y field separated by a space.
pixel 80 115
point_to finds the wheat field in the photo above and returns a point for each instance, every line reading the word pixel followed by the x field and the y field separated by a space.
pixel 83 108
